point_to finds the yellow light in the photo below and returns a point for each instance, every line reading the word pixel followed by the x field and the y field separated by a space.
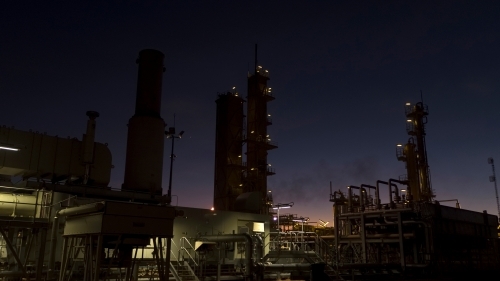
pixel 269 115
pixel 409 120
pixel 403 190
pixel 408 103
pixel 241 184
pixel 251 132
pixel 211 209
pixel 234 88
pixel 251 169
pixel 399 145
pixel 239 156
pixel 267 136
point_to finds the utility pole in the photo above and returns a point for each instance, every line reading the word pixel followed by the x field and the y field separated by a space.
pixel 171 135
pixel 494 180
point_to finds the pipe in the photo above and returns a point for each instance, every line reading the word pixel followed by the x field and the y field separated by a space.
pixel 368 186
pixel 84 209
pixel 88 144
pixel 245 237
pixel 396 189
pixel 11 273
pixel 361 203
pixel 259 248
pixel 53 241
pixel 377 194
pixel 287 266
pixel 349 200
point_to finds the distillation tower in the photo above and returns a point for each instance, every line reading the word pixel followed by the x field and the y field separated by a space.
pixel 257 138
pixel 414 154
pixel 229 167
pixel 240 185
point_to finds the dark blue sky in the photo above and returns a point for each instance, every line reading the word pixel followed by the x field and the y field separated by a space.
pixel 341 72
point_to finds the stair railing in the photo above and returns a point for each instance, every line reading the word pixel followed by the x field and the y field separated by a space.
pixel 183 250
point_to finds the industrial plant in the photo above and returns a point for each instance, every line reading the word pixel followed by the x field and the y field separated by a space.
pixel 60 220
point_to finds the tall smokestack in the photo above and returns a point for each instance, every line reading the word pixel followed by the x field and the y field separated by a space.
pixel 146 129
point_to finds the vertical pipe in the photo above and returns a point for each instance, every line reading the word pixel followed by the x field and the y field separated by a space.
pixel 377 193
pixel 349 200
pixel 88 144
pixel 391 203
pixel 53 241
pixel 368 186
pixel 401 244
pixel 160 251
pixel 363 238
pixel 362 198
pixel 167 256
pixel 99 251
pixel 218 261
pixel 39 265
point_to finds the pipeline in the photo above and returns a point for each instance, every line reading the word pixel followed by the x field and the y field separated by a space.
pixel 288 266
pixel 396 191
pixel 368 186
pixel 259 248
pixel 244 237
pixel 349 194
pixel 377 194
pixel 390 185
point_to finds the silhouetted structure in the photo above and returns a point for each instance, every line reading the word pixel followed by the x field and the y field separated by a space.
pixel 257 139
pixel 228 181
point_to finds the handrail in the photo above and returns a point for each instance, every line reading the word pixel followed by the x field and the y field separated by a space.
pixel 182 241
pixel 172 248
pixel 174 272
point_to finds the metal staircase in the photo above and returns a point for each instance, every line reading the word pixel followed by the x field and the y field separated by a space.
pixel 180 268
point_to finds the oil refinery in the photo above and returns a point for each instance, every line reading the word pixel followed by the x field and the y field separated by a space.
pixel 60 220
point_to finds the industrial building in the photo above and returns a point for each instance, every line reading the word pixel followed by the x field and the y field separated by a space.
pixel 59 219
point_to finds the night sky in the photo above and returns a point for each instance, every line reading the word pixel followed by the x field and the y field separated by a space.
pixel 341 72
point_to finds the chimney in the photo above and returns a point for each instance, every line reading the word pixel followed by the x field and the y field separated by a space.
pixel 146 129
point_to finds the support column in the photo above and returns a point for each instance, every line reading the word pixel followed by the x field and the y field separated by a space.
pixel 401 244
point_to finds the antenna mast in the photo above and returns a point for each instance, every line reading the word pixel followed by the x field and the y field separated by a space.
pixel 494 180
